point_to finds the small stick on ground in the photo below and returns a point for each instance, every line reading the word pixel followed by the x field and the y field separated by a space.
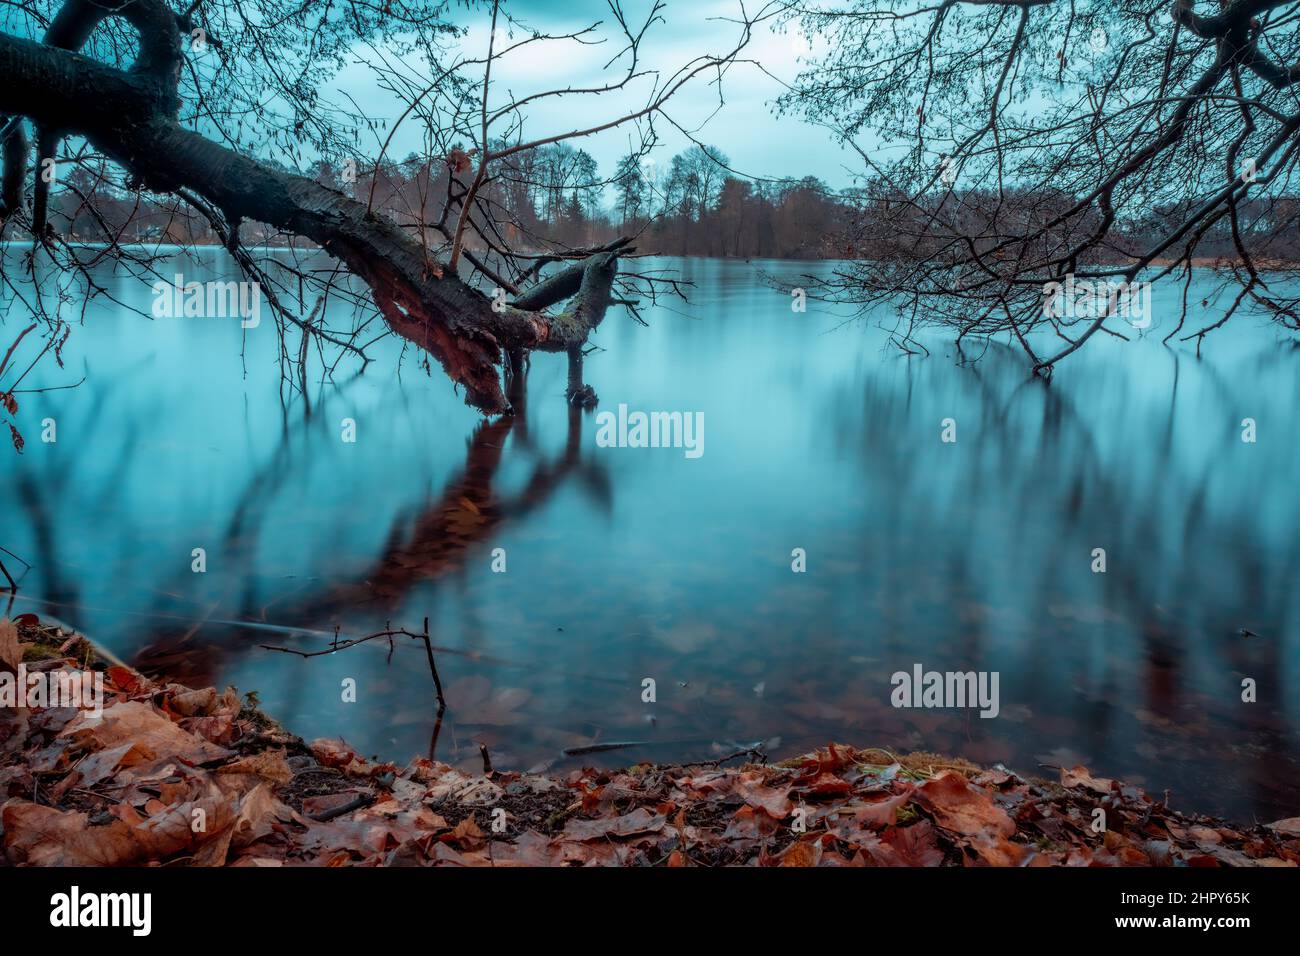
pixel 356 803
pixel 487 760
pixel 752 752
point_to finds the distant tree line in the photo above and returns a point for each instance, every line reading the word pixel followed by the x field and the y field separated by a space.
pixel 693 207
pixel 552 196
pixel 697 207
pixel 889 225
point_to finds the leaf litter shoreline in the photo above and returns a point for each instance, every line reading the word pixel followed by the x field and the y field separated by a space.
pixel 177 776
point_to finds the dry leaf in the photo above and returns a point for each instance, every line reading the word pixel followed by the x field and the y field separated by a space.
pixel 962 808
pixel 11 652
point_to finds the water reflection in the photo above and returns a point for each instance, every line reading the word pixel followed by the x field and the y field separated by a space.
pixel 420 550
pixel 1139 668
pixel 625 564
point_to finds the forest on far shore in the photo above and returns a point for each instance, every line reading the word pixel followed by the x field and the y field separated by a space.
pixel 556 197
pixel 552 197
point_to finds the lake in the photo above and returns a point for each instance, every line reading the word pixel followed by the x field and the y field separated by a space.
pixel 623 564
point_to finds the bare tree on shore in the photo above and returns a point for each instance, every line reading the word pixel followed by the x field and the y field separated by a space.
pixel 221 105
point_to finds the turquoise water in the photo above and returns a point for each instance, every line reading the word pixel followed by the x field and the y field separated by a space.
pixel 630 563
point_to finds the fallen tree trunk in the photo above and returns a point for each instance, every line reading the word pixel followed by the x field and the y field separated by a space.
pixel 131 116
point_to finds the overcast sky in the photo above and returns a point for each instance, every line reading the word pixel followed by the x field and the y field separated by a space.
pixel 745 128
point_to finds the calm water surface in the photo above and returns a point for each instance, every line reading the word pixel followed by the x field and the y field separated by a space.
pixel 632 563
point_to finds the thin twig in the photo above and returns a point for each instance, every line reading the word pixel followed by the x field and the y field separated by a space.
pixel 388 633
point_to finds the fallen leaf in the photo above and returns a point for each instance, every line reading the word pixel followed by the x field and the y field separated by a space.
pixel 993 850
pixel 126 680
pixel 753 787
pixel 803 853
pixel 104 763
pixel 1289 827
pixel 332 753
pixel 11 652
pixel 749 824
pixel 269 765
pixel 43 836
pixel 639 821
pixel 906 846
pixel 1079 777
pixel 961 808
pixel 468 834
pixel 145 726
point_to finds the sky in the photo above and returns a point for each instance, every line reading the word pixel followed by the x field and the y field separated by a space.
pixel 745 128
